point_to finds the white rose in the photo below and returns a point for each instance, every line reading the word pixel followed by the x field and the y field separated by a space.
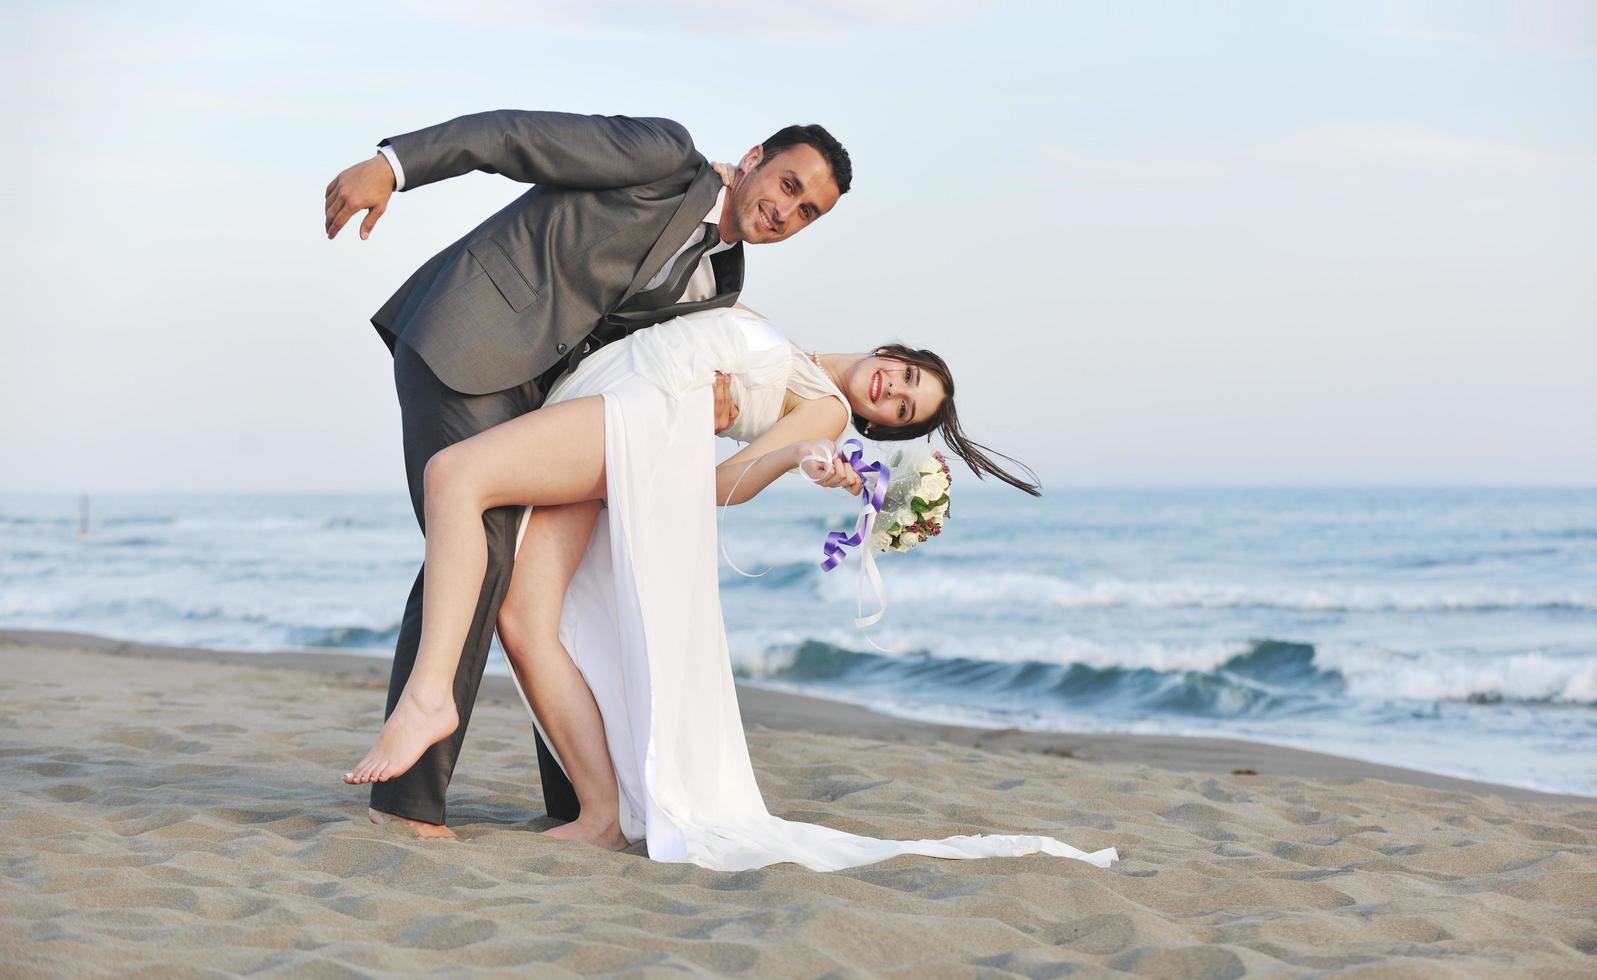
pixel 881 540
pixel 905 517
pixel 929 488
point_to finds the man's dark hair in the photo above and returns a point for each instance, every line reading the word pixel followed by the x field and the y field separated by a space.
pixel 825 144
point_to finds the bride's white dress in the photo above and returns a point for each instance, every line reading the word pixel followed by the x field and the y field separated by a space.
pixel 642 617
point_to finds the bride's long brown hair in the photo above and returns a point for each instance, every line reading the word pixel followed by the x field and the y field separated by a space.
pixel 945 422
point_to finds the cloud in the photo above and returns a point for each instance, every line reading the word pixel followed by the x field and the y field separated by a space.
pixel 1544 28
pixel 763 19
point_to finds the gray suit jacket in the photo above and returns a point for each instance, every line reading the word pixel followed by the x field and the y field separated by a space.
pixel 615 198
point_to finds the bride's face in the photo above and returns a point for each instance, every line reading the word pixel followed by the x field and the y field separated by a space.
pixel 891 392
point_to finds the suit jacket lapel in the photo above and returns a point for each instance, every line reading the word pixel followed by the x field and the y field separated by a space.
pixel 728 267
pixel 700 195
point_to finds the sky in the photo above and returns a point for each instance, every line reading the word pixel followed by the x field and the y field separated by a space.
pixel 1159 243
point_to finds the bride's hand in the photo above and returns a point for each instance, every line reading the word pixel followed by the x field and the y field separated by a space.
pixel 726 171
pixel 825 468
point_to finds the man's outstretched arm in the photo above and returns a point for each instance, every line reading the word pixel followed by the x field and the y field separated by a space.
pixel 559 148
pixel 545 148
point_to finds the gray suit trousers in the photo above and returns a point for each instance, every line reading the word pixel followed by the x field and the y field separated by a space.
pixel 436 416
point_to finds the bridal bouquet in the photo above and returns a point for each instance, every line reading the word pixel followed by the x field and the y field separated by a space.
pixel 909 509
pixel 916 504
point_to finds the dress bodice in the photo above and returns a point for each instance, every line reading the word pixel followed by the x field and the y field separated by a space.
pixel 760 404
pixel 763 364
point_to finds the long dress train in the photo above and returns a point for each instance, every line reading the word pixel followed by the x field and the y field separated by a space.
pixel 642 617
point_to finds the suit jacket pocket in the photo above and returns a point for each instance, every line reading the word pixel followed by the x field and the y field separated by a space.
pixel 512 285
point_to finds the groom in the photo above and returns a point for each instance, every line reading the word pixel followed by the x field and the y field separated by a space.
pixel 627 226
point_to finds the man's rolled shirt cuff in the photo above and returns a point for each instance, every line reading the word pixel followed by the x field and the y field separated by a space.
pixel 393 162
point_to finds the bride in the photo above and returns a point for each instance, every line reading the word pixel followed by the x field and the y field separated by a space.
pixel 613 627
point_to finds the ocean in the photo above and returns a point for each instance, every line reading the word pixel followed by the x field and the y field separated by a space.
pixel 1448 630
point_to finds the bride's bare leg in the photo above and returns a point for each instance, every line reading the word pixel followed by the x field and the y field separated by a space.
pixel 552 456
pixel 529 627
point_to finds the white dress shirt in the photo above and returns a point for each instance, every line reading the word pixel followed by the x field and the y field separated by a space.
pixel 393 161
pixel 701 285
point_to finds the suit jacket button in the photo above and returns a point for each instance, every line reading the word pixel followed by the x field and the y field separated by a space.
pixel 560 348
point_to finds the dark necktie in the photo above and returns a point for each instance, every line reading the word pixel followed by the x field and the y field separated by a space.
pixel 677 280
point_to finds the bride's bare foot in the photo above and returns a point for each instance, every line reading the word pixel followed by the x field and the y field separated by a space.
pixel 605 834
pixel 411 730
pixel 421 830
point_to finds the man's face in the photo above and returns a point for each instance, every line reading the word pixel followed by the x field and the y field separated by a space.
pixel 775 197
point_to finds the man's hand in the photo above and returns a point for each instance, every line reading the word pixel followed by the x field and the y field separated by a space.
pixel 726 410
pixel 366 186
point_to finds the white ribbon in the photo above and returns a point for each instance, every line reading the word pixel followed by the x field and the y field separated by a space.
pixel 720 523
pixel 868 571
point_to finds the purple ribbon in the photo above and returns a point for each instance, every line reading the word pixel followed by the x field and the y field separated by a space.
pixel 875 477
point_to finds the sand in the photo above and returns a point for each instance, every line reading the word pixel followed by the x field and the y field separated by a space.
pixel 179 813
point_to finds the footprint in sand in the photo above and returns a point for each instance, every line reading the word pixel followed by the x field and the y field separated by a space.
pixel 152 739
pixel 214 728
pixel 1097 935
pixel 53 769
